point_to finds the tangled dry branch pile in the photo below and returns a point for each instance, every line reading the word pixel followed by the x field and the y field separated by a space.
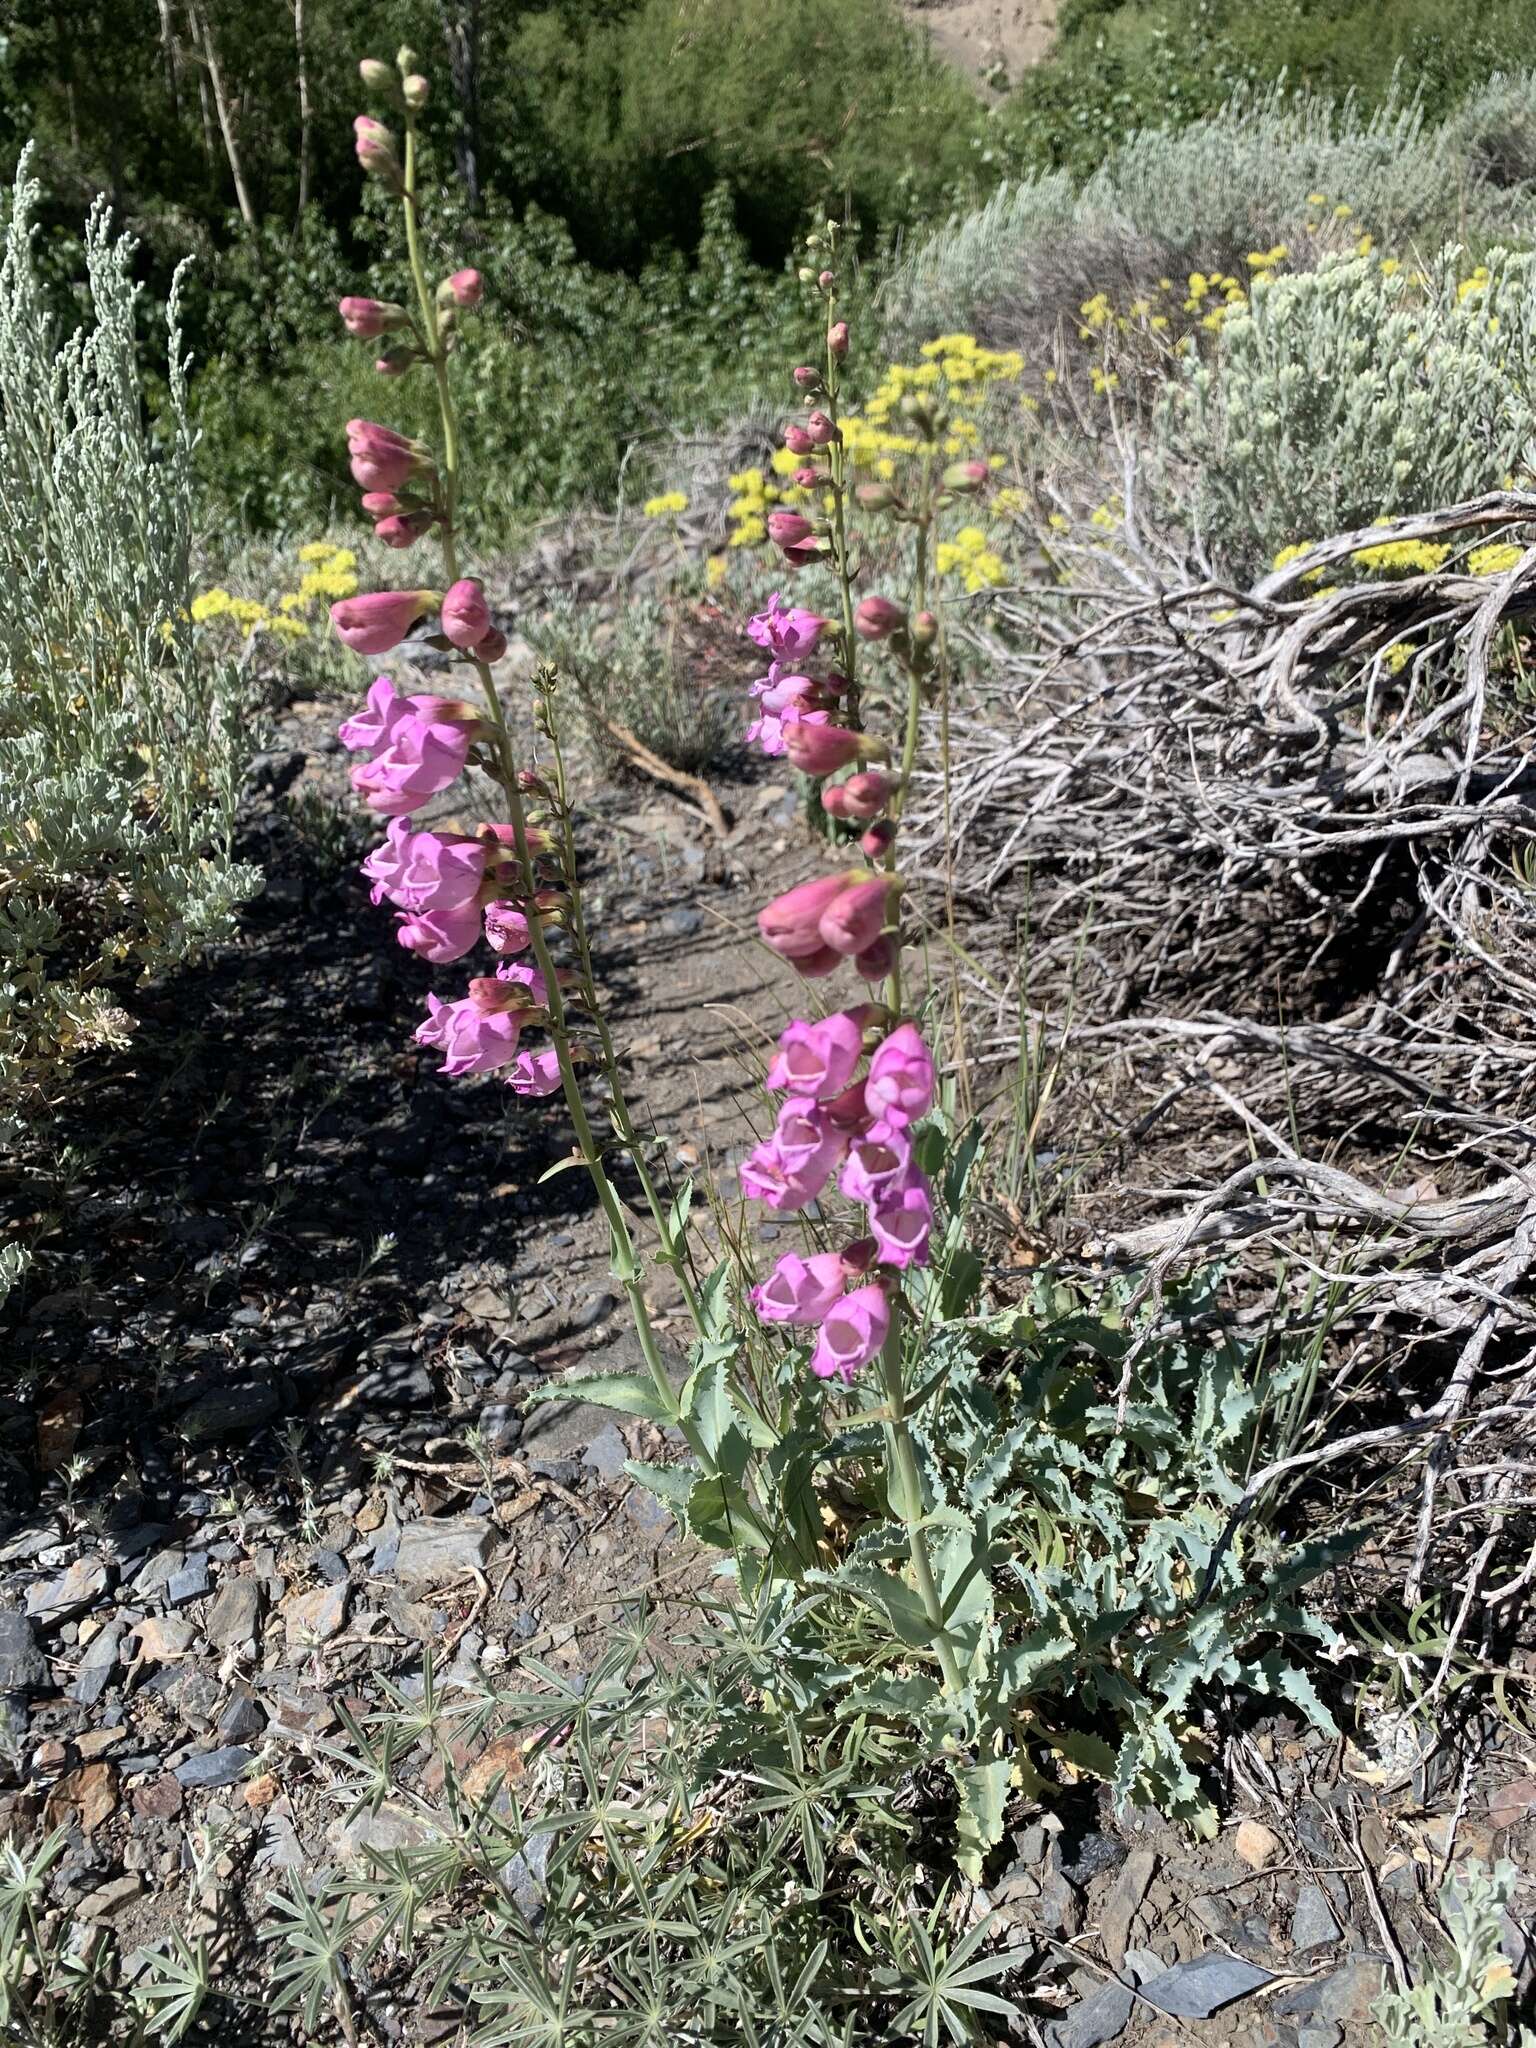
pixel 1274 855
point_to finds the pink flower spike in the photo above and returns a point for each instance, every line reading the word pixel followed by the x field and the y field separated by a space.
pixel 902 1079
pixel 817 1059
pixel 879 1165
pixel 902 1227
pixel 790 924
pixel 506 928
pixel 466 618
pixel 800 1290
pixel 852 1333
pixel 853 920
pixel 375 623
pixel 535 1073
pixel 472 1039
pixel 439 935
pixel 466 288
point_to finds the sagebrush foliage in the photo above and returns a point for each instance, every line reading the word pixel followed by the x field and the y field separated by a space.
pixel 121 746
pixel 1348 394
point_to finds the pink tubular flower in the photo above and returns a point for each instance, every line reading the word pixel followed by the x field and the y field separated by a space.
pixel 787 631
pixel 365 731
pixel 822 431
pixel 506 928
pixel 797 440
pixel 800 1290
pixel 379 621
pixel 817 1059
pixel 791 923
pixel 522 974
pixel 877 618
pixel 422 752
pixel 476 1034
pixel 788 529
pixel 808 1143
pixel 367 319
pixel 903 1225
pixel 861 797
pixel 466 288
pixel 381 459
pixel 837 338
pixel 901 1080
pixel 816 748
pixel 466 618
pixel 879 1166
pixel 853 920
pixel 403 529
pixel 383 504
pixel 535 1073
pixel 851 1334
pixel 878 840
pixel 426 870
pixel 440 935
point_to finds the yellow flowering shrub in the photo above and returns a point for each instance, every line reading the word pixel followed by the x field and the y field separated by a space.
pixel 330 574
pixel 1497 559
pixel 969 556
pixel 666 505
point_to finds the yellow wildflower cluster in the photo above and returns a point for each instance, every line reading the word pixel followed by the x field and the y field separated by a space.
pixel 1402 557
pixel 1476 284
pixel 752 494
pixel 1497 559
pixel 665 506
pixel 330 575
pixel 969 556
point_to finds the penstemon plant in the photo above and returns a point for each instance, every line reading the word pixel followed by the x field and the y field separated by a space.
pixel 882 1549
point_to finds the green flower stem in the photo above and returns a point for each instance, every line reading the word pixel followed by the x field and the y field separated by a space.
pixel 837 470
pixel 908 1495
pixel 626 1266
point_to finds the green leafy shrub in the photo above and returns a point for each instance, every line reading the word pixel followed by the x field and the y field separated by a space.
pixel 121 746
pixel 1233 181
pixel 1344 395
pixel 1463 2001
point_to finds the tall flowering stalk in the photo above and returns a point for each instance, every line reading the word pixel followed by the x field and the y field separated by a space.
pixel 510 885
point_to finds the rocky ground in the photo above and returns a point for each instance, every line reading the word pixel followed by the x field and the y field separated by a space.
pixel 994 40
pixel 271 1448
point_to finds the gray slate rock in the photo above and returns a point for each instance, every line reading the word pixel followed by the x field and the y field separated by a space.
pixel 23 1667
pixel 70 1593
pixel 500 1425
pixel 432 1553
pixel 606 1454
pixel 229 1411
pixel 1103 2016
pixel 1194 1990
pixel 191 1582
pixel 235 1613
pixel 213 1767
pixel 1313 1923
pixel 95 1669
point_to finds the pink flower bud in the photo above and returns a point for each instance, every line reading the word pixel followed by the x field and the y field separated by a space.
pixel 876 497
pixel 379 504
pixel 878 840
pixel 381 459
pixel 491 646
pixel 822 430
pixel 807 479
pixel 854 918
pixel 415 92
pixel 369 318
pixel 797 440
pixel 966 477
pixel 859 1256
pixel 375 623
pixel 860 798
pixel 925 629
pixel 816 748
pixel 466 620
pixel 807 378
pixel 877 618
pixel 826 279
pixel 378 76
pixel 403 529
pixel 465 288
pixel 852 1333
pixel 803 555
pixel 376 149
pixel 848 1111
pixel 790 924
pixel 395 362
pixel 788 529
pixel 875 962
pixel 837 338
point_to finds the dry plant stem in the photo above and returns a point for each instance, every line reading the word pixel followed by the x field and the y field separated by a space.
pixel 626 1266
